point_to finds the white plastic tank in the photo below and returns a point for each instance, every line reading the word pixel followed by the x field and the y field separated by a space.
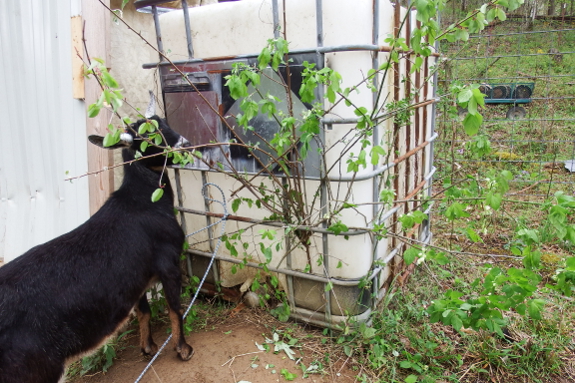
pixel 240 28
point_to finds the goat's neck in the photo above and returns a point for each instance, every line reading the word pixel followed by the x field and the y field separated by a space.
pixel 140 179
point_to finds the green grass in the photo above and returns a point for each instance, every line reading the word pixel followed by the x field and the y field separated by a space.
pixel 403 343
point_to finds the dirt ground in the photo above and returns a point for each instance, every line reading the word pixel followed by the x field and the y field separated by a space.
pixel 226 352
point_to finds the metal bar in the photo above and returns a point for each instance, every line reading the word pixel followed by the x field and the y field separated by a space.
pixel 432 132
pixel 331 49
pixel 396 88
pixel 373 173
pixel 186 10
pixel 323 182
pixel 544 182
pixel 511 140
pixel 139 4
pixel 512 77
pixel 538 119
pixel 268 223
pixel 158 33
pixel 507 56
pixel 375 139
pixel 331 121
pixel 276 18
pixel 383 168
pixel 408 85
pixel 295 273
pixel 319 22
pixel 514 162
pixel 215 269
pixel 182 216
pixel 521 33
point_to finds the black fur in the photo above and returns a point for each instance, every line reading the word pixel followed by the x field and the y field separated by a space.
pixel 65 297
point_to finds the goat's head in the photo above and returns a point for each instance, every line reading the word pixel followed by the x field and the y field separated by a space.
pixel 153 140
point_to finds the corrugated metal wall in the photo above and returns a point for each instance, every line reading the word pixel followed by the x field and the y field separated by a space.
pixel 42 127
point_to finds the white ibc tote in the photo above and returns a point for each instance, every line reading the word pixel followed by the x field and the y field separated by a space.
pixel 347 36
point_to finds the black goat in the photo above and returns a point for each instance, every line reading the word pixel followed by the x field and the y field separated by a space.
pixel 64 298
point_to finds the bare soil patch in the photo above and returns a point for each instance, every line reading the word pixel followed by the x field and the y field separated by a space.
pixel 226 352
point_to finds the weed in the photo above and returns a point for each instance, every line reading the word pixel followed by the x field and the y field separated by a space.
pixel 101 360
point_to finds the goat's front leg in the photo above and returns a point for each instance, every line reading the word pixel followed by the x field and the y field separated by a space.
pixel 144 314
pixel 171 282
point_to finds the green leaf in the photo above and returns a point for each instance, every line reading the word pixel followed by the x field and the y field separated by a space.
pixel 376 152
pixel 456 322
pixel 534 308
pixel 264 58
pixel 501 14
pixel 464 96
pixel 274 281
pixel 455 211
pixel 491 15
pixel 348 351
pixel 570 262
pixel 157 194
pixel 410 254
pixel 462 34
pixel 338 228
pixel 93 110
pixel 411 379
pixel 110 140
pixel 521 308
pixel 405 364
pixel 144 128
pixel 478 97
pixel 108 80
pixel 288 375
pixel 494 200
pixel 472 123
pixel 237 87
pixel 472 235
pixel 236 204
pixel 116 103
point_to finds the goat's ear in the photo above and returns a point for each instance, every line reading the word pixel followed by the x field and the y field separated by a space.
pixel 99 141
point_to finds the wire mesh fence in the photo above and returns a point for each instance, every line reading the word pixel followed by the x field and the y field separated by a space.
pixel 526 69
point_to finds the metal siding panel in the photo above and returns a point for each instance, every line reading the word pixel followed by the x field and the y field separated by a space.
pixel 43 129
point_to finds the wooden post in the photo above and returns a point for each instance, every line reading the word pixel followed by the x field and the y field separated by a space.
pixel 77 62
pixel 97 36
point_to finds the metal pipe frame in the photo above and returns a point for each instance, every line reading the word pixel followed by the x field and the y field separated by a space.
pixel 186 11
pixel 158 33
pixel 289 272
pixel 510 77
pixel 319 50
pixel 521 33
pixel 508 56
pixel 348 282
pixel 353 232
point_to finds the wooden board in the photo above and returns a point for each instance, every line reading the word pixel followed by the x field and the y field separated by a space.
pixel 97 36
pixel 77 58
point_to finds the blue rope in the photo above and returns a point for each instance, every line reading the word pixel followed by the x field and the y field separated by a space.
pixel 223 221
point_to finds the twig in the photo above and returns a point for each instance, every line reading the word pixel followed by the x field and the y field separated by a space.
pixel 155 373
pixel 230 361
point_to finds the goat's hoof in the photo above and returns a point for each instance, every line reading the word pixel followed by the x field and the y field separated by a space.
pixel 150 349
pixel 185 351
